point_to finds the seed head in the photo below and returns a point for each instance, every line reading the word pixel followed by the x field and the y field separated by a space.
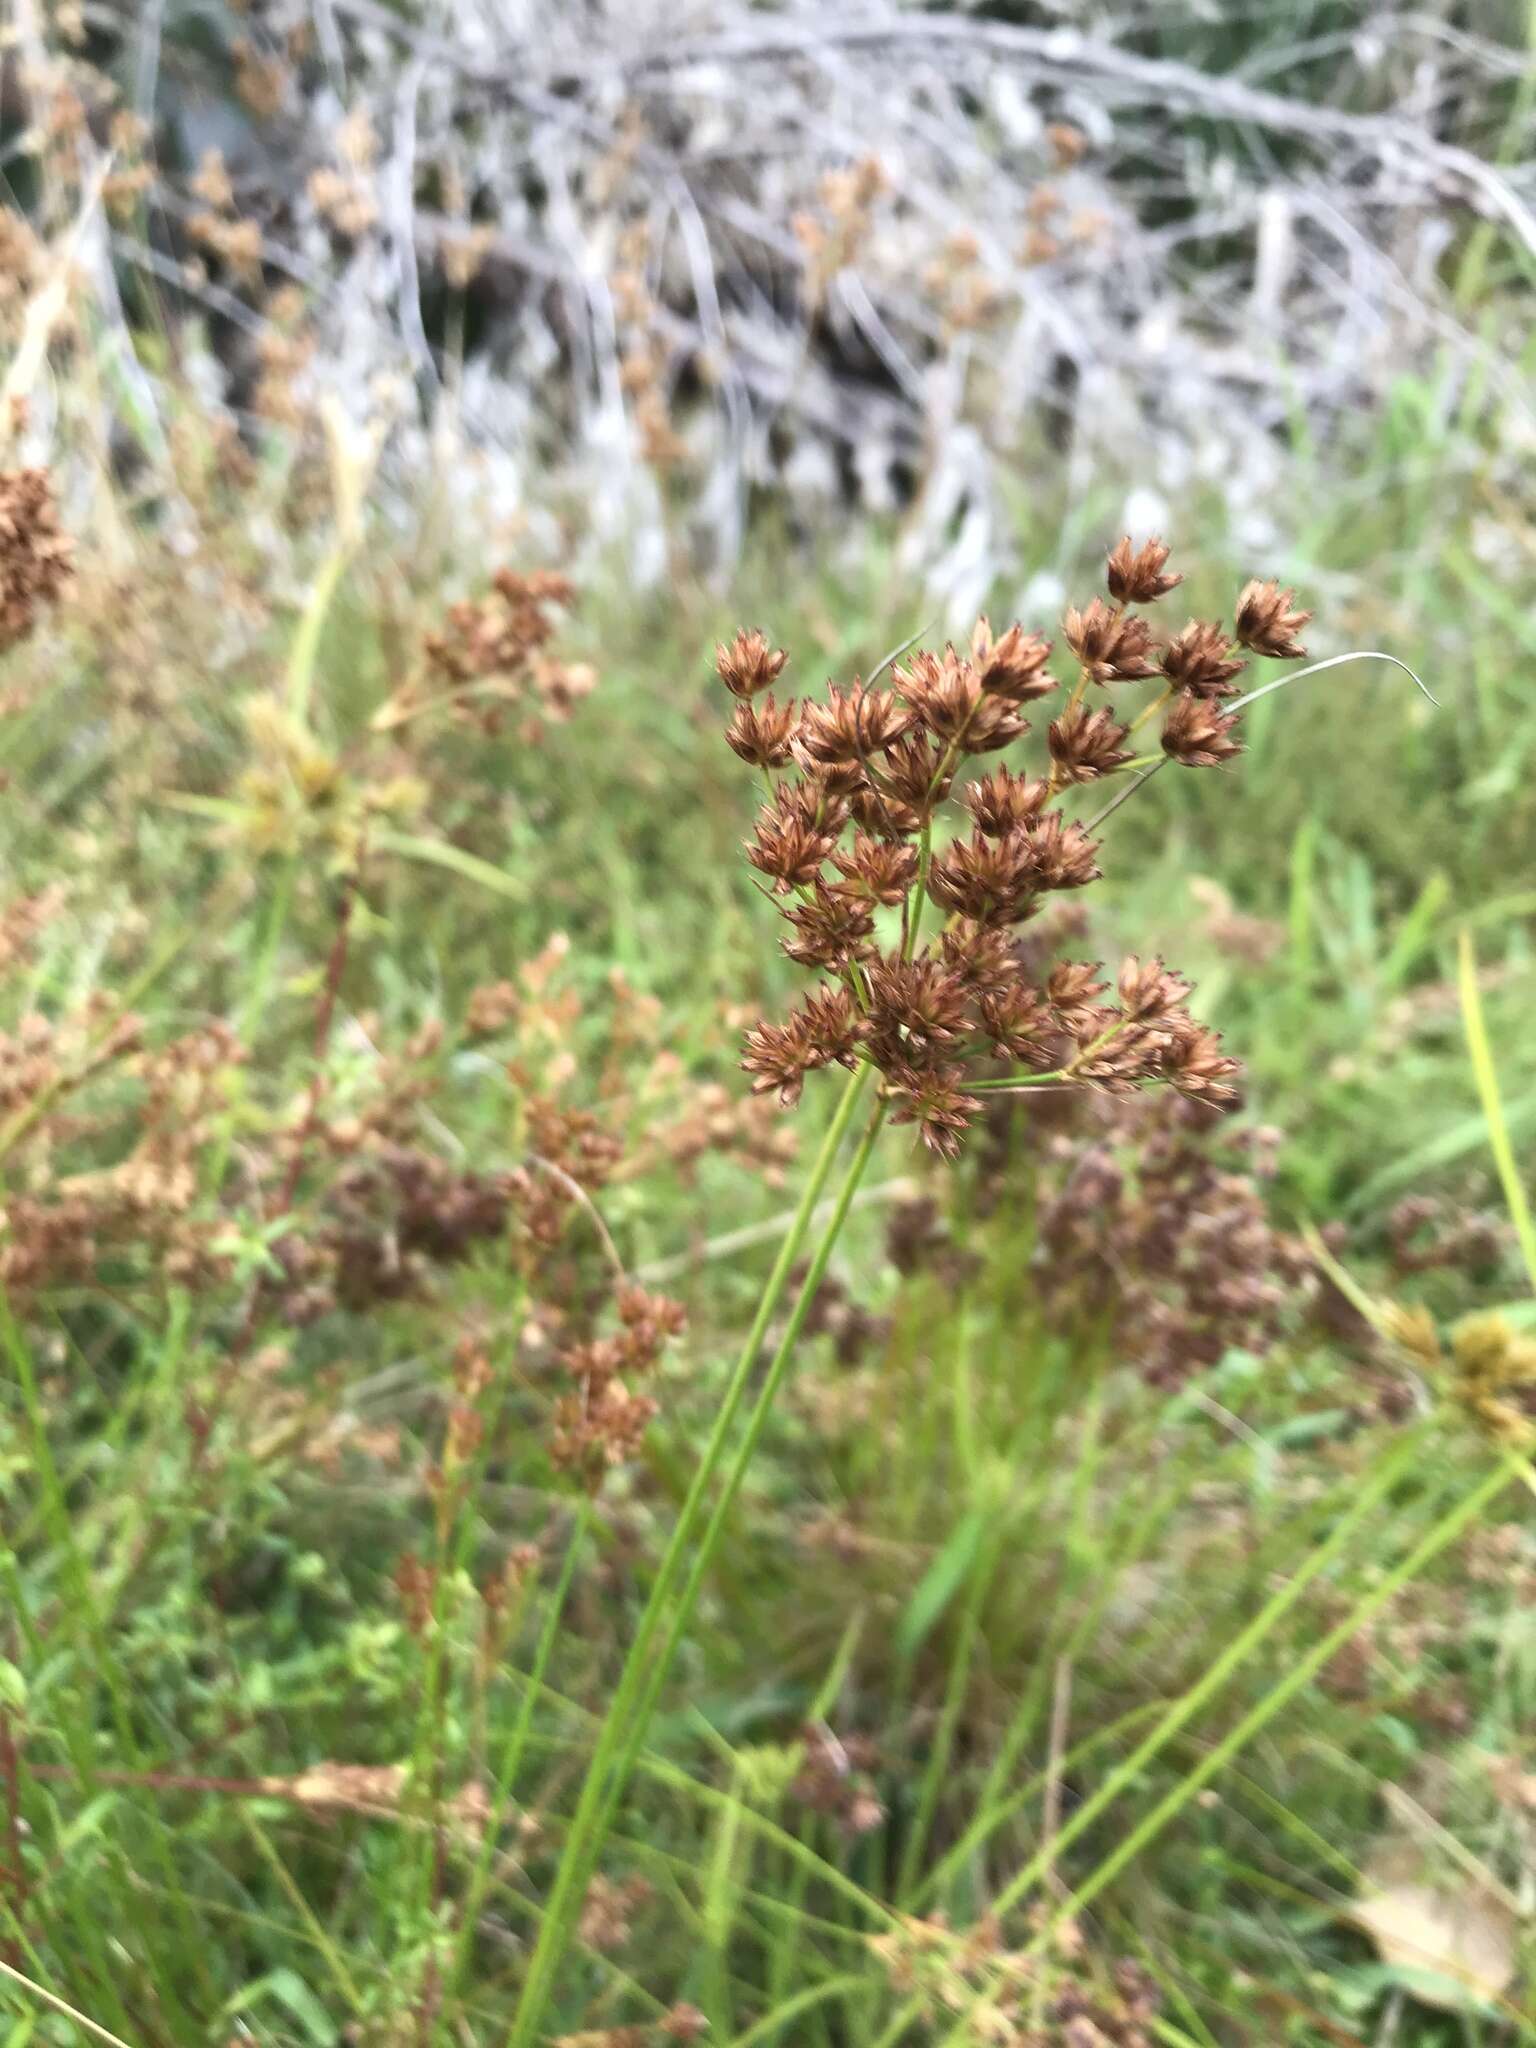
pixel 1086 744
pixel 1112 646
pixel 763 733
pixel 934 1099
pixel 1267 625
pixel 1012 667
pixel 1135 575
pixel 876 870
pixel 749 664
pixel 991 881
pixel 795 835
pixel 34 554
pixel 1002 800
pixel 1150 990
pixel 830 928
pixel 1198 659
pixel 1197 735
pixel 945 695
pixel 849 727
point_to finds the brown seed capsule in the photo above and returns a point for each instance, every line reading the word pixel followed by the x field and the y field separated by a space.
pixel 763 733
pixel 1019 1023
pixel 1197 735
pixel 1012 667
pixel 1196 1065
pixel 34 554
pixel 1267 625
pixel 933 1098
pixel 795 835
pixel 749 664
pixel 1073 992
pixel 1086 744
pixel 1112 646
pixel 1198 659
pixel 981 957
pixel 850 726
pixel 1136 575
pixel 1063 853
pixel 1150 990
pixel 916 1002
pixel 1002 800
pixel 830 930
pixel 992 881
pixel 876 870
pixel 911 775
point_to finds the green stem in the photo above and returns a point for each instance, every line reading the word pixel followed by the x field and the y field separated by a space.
pixel 624 1726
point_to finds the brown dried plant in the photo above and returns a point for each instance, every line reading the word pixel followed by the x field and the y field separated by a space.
pixel 849 845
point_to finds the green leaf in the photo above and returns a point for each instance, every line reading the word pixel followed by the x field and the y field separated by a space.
pixel 940 1583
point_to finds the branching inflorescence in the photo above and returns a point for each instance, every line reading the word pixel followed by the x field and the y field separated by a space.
pixel 848 843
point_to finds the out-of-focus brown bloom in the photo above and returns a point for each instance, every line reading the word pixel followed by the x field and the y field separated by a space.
pixel 1266 623
pixel 1149 989
pixel 934 1099
pixel 1197 735
pixel 1136 575
pixel 1199 659
pixel 1113 646
pixel 34 553
pixel 1086 744
pixel 749 664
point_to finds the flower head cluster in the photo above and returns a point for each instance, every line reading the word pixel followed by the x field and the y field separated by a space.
pixel 34 554
pixel 857 845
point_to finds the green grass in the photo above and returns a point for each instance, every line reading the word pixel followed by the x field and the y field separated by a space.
pixel 1070 1593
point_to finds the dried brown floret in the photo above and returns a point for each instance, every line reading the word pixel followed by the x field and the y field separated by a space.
pixel 1002 800
pixel 833 1025
pixel 980 956
pixel 749 664
pixel 1266 624
pixel 795 836
pixel 945 694
pixel 1073 990
pixel 876 870
pixel 1019 1023
pixel 935 1100
pixel 1086 744
pixel 34 553
pixel 1013 666
pixel 917 1003
pixel 1196 1065
pixel 1199 659
pixel 1063 854
pixel 1150 989
pixel 1197 735
pixel 830 928
pixel 1113 646
pixel 993 881
pixel 1136 575
pixel 778 1057
pixel 850 726
pixel 914 774
pixel 763 733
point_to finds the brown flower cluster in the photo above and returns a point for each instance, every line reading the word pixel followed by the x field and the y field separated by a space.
pixel 34 553
pixel 852 843
pixel 835 1779
pixel 489 657
pixel 1017 1998
pixel 600 1424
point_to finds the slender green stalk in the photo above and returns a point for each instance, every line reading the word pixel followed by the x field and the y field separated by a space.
pixel 624 1726
pixel 1487 1076
pixel 1429 1547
